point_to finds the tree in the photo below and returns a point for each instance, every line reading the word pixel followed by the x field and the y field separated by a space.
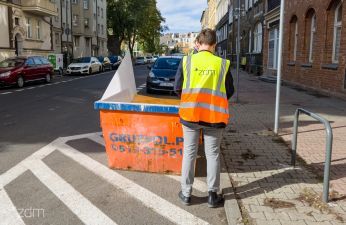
pixel 135 20
pixel 116 22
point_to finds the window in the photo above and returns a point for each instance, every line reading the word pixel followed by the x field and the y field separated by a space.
pixel 74 1
pixel 102 31
pixel 250 41
pixel 98 28
pixel 101 12
pixel 312 37
pixel 98 10
pixel 16 21
pixel 273 48
pixel 337 33
pixel 86 4
pixel 38 30
pixel 75 20
pixel 28 28
pixel 258 38
pixel 295 41
pixel 30 62
pixel 86 22
pixel 76 41
pixel 37 61
pixel 57 38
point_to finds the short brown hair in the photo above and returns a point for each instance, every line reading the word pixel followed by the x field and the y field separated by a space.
pixel 207 37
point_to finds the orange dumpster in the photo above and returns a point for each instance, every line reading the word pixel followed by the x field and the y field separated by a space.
pixel 141 133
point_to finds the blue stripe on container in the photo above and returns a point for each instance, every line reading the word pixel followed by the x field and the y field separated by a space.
pixel 136 107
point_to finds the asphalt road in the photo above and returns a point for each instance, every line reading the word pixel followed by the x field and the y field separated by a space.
pixel 68 182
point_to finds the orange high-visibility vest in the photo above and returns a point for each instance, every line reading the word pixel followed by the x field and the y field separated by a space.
pixel 204 97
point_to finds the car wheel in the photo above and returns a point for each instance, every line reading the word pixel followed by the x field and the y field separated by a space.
pixel 149 91
pixel 20 82
pixel 48 78
pixel 101 69
pixel 90 71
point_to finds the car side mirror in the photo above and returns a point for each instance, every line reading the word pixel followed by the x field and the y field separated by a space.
pixel 92 62
pixel 149 67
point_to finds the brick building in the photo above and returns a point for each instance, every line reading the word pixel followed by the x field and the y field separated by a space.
pixel 314 47
pixel 271 36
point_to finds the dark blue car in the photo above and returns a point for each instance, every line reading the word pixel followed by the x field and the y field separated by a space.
pixel 162 74
pixel 115 61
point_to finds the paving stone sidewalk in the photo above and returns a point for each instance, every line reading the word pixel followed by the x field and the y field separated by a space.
pixel 268 189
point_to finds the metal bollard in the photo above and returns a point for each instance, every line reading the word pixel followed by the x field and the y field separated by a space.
pixel 329 145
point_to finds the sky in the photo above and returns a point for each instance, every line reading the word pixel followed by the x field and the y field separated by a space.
pixel 182 15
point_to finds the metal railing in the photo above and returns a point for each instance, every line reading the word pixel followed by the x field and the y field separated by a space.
pixel 329 145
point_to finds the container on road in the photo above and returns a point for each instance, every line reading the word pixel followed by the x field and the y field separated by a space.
pixel 141 133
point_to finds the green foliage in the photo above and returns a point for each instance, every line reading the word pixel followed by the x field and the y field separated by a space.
pixel 136 20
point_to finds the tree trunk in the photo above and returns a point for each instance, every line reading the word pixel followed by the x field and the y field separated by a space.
pixel 114 45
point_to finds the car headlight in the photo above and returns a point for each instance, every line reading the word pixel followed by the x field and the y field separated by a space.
pixel 6 74
pixel 85 67
pixel 151 74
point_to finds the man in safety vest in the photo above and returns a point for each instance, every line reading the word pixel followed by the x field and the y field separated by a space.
pixel 205 84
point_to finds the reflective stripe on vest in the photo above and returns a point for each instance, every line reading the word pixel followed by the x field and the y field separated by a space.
pixel 204 106
pixel 204 89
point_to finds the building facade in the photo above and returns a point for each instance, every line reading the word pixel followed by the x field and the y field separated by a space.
pixel 89 25
pixel 184 41
pixel 222 28
pixel 212 13
pixel 26 27
pixel 271 36
pixel 314 47
pixel 251 34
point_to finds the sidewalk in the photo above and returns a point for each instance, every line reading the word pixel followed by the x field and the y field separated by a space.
pixel 268 189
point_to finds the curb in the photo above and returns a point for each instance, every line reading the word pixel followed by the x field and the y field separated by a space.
pixel 231 206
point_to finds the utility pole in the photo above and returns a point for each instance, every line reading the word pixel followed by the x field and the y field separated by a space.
pixel 278 82
pixel 238 13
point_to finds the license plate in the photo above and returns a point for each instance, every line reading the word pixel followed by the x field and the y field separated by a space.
pixel 166 84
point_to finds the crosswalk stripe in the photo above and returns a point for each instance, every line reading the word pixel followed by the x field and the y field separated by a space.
pixel 151 200
pixel 197 184
pixel 8 212
pixel 74 200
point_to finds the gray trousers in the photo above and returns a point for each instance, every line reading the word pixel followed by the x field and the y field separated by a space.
pixel 212 141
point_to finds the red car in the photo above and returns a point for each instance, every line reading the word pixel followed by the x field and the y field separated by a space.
pixel 20 70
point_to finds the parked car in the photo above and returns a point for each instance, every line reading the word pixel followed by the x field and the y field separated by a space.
pixel 162 74
pixel 84 65
pixel 115 61
pixel 150 59
pixel 20 70
pixel 140 60
pixel 155 57
pixel 106 63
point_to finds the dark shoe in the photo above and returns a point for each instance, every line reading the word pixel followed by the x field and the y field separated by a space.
pixel 184 200
pixel 214 199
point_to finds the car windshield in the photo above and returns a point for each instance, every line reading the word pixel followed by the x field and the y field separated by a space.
pixel 10 63
pixel 140 58
pixel 167 63
pixel 113 59
pixel 82 60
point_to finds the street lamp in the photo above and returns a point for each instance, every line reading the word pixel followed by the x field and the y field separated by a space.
pixel 238 12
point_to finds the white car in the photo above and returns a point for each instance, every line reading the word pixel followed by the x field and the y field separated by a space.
pixel 150 59
pixel 84 65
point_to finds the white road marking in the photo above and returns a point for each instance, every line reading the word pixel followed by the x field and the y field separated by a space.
pixel 6 93
pixel 8 212
pixel 70 196
pixel 29 88
pixel 148 198
pixel 74 200
pixel 98 139
pixel 197 184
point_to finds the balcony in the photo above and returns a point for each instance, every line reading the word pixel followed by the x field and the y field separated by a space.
pixel 40 7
